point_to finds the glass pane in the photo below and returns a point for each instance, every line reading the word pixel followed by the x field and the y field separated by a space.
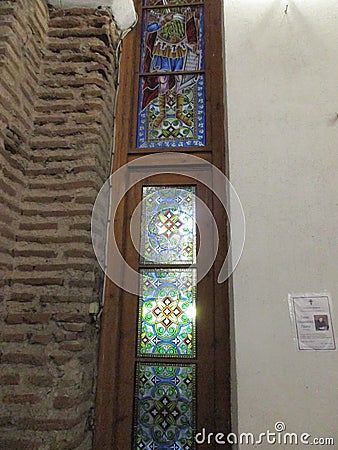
pixel 172 40
pixel 171 109
pixel 167 313
pixel 174 119
pixel 168 225
pixel 165 407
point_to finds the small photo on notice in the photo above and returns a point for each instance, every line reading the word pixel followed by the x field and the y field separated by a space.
pixel 321 322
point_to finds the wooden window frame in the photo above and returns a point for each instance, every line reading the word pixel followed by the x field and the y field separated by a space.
pixel 112 427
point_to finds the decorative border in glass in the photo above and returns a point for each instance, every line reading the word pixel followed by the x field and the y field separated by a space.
pixel 165 413
pixel 168 225
pixel 167 310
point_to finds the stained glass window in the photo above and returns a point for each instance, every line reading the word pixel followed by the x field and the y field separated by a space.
pixel 171 109
pixel 165 405
pixel 168 225
pixel 167 313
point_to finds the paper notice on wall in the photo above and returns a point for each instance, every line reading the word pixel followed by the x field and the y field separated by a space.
pixel 311 315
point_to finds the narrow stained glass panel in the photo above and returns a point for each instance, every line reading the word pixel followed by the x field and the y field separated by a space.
pixel 168 225
pixel 167 313
pixel 165 407
pixel 171 109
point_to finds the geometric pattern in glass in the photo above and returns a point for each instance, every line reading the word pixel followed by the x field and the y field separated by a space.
pixel 183 123
pixel 167 313
pixel 168 225
pixel 165 407
pixel 171 108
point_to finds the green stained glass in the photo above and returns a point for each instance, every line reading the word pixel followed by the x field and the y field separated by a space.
pixel 168 225
pixel 167 313
pixel 165 407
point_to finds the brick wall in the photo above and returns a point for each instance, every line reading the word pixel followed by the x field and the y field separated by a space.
pixel 57 89
pixel 22 36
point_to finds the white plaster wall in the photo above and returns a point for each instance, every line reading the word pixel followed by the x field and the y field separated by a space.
pixel 282 85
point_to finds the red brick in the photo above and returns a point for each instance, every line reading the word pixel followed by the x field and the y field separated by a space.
pixel 65 22
pixel 54 267
pixel 75 327
pixel 23 358
pixel 41 380
pixel 36 253
pixel 86 358
pixel 66 186
pixel 48 199
pixel 21 297
pixel 41 281
pixel 7 188
pixel 19 444
pixel 65 402
pixel 42 424
pixel 42 339
pixel 52 171
pixel 82 283
pixel 60 359
pixel 13 337
pixel 73 346
pixel 62 298
pixel 21 398
pixel 12 176
pixel 56 95
pixel 39 226
pixel 30 318
pixel 10 379
pixel 58 213
pixel 79 253
pixel 62 336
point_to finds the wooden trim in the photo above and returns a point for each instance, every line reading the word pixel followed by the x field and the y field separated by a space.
pixel 108 363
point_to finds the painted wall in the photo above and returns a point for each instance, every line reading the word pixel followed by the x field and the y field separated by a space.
pixel 282 80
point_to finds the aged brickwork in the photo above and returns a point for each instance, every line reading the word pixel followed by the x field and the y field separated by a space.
pixel 57 89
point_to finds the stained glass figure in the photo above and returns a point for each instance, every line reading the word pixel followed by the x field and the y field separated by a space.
pixel 167 313
pixel 171 110
pixel 168 225
pixel 165 407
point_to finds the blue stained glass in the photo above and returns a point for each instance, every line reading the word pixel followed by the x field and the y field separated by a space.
pixel 168 225
pixel 167 313
pixel 165 407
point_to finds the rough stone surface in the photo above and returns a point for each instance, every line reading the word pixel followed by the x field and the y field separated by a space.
pixel 57 90
pixel 123 10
